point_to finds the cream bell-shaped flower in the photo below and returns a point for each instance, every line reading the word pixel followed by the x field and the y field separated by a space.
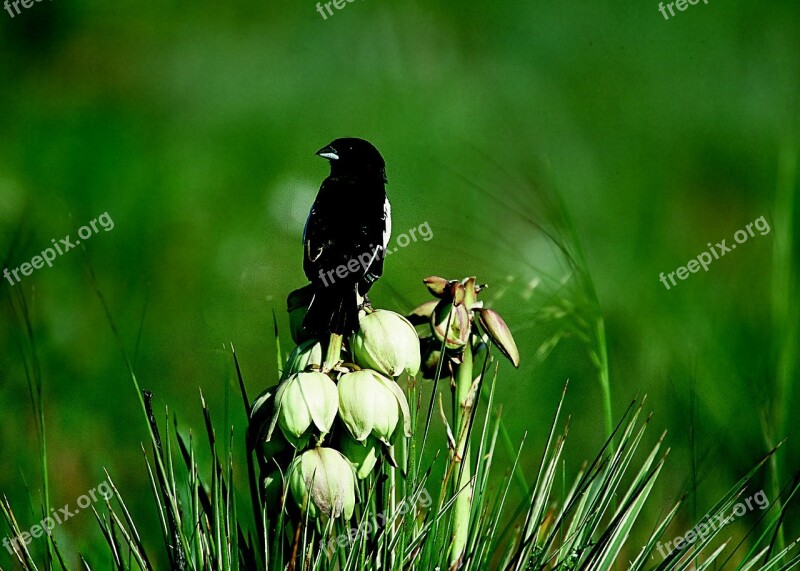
pixel 305 399
pixel 369 403
pixel 304 355
pixel 322 481
pixel 387 343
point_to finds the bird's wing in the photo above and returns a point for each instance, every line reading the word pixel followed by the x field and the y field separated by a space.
pixel 313 248
pixel 376 264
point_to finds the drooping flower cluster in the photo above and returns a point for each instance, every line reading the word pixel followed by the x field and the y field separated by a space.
pixel 325 425
pixel 456 319
pixel 461 329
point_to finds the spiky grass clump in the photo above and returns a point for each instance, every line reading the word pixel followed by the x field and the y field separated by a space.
pixel 406 519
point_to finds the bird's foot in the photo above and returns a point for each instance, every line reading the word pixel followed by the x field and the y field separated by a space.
pixel 366 305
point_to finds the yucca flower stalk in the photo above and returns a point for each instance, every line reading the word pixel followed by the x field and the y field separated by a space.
pixel 460 322
pixel 352 390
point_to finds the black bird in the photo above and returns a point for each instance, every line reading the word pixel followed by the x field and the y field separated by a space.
pixel 345 236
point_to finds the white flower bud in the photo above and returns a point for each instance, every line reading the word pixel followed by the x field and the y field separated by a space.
pixel 304 355
pixel 322 481
pixel 386 342
pixel 303 399
pixel 369 403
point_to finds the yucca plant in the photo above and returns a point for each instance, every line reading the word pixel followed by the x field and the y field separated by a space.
pixel 340 489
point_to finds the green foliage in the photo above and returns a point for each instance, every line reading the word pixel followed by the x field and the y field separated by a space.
pixel 194 124
pixel 405 518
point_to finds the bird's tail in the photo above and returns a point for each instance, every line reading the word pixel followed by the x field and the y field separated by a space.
pixel 332 310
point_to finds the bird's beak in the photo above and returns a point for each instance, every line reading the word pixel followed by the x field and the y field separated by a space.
pixel 328 153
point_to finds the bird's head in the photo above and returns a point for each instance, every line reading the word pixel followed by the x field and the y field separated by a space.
pixel 354 157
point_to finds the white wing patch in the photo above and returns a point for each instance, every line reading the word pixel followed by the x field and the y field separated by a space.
pixel 307 241
pixel 387 218
pixel 387 233
pixel 311 257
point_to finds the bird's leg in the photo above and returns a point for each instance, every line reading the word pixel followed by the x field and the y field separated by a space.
pixel 334 353
pixel 366 305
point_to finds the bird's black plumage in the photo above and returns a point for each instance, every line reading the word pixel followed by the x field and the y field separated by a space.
pixel 345 237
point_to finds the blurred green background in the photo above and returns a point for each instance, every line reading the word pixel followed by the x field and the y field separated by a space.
pixel 193 125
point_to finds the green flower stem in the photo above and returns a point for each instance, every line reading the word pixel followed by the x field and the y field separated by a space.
pixel 394 530
pixel 462 465
pixel 334 354
pixel 605 382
